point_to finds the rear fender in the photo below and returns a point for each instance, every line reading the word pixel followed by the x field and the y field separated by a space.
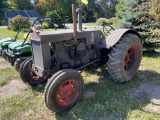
pixel 116 35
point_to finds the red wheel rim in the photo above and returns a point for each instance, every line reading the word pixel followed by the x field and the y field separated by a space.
pixel 67 92
pixel 130 59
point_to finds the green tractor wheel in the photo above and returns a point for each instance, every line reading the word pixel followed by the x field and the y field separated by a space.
pixel 4 55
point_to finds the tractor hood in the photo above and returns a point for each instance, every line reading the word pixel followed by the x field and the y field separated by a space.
pixel 5 42
pixel 17 44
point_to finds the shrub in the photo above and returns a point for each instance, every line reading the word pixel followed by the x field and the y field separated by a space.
pixel 15 23
pixel 45 25
pixel 2 22
pixel 104 21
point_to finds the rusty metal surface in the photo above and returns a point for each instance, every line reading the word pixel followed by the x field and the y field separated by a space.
pixel 74 23
pixel 65 35
pixel 115 36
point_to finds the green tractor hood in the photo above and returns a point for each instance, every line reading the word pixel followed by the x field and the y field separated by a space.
pixel 18 48
pixel 5 42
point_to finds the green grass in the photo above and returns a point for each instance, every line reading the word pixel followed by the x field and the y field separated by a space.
pixel 110 102
pixel 93 24
pixel 4 33
pixel 7 74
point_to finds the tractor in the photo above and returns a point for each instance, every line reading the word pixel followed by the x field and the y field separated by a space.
pixel 19 51
pixel 6 41
pixel 59 56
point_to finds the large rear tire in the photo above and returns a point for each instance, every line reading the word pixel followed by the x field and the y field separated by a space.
pixel 63 90
pixel 124 58
pixel 28 76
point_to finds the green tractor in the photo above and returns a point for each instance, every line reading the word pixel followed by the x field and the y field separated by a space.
pixel 6 41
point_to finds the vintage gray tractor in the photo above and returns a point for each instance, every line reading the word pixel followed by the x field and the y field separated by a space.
pixel 59 56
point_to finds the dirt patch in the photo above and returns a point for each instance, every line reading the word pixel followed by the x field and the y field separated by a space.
pixel 4 64
pixel 151 88
pixel 14 87
pixel 152 91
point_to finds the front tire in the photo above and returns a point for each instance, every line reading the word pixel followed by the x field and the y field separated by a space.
pixel 28 76
pixel 18 63
pixel 63 90
pixel 124 58
pixel 4 55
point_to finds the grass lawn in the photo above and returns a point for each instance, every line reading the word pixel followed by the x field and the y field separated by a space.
pixel 4 33
pixel 103 98
pixel 92 24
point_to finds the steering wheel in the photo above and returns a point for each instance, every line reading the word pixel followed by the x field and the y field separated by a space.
pixel 107 29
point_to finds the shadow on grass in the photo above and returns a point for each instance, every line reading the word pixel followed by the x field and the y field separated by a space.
pixel 151 53
pixel 112 101
pixel 39 88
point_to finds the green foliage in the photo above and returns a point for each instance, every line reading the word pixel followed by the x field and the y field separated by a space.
pixel 61 8
pixel 138 15
pixel 2 22
pixel 45 25
pixel 107 8
pixel 3 7
pixel 56 17
pixel 104 21
pixel 15 23
pixel 56 9
pixel 21 4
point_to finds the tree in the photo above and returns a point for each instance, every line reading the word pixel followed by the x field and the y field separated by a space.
pixel 107 8
pixel 125 16
pixel 57 9
pixel 89 11
pixel 140 15
pixel 3 7
pixel 21 5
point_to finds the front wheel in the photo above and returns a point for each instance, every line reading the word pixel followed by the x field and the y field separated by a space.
pixel 18 63
pixel 4 54
pixel 125 57
pixel 28 75
pixel 63 90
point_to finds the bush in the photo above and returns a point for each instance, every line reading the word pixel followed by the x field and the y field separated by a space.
pixel 104 21
pixel 2 22
pixel 15 23
pixel 45 25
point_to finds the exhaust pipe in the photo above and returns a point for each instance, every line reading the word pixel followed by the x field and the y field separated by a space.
pixel 79 10
pixel 74 24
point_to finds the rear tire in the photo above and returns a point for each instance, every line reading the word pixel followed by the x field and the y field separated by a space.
pixel 63 90
pixel 28 76
pixel 124 58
